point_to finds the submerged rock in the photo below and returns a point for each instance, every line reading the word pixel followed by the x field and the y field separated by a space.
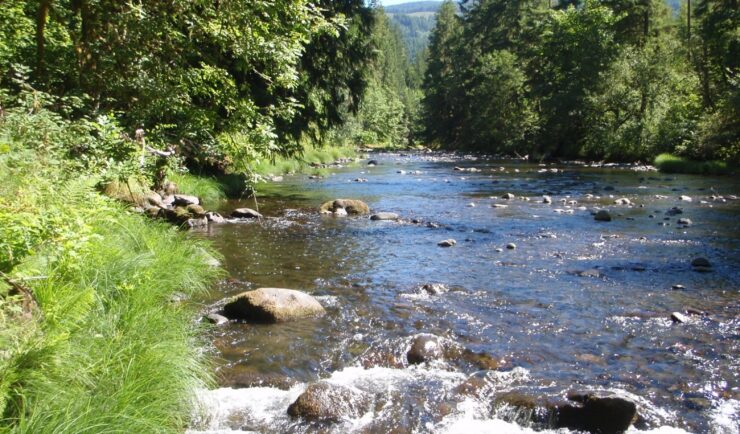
pixel 701 264
pixel 685 222
pixel 329 402
pixel 585 412
pixel 435 288
pixel 623 201
pixel 511 246
pixel 546 199
pixel 242 376
pixel 384 216
pixel 678 317
pixel 350 206
pixel 215 318
pixel 424 348
pixel 508 196
pixel 603 216
pixel 271 305
pixel 248 213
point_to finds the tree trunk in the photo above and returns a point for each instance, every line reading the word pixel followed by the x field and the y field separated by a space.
pixel 688 26
pixel 41 17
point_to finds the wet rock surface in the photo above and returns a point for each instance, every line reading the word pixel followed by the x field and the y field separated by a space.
pixel 349 206
pixel 246 213
pixel 269 305
pixel 329 402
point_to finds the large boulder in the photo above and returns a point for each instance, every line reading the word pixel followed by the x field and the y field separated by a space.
pixel 271 305
pixel 350 206
pixel 329 403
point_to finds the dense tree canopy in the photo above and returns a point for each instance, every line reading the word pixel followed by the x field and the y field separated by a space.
pixel 219 80
pixel 614 79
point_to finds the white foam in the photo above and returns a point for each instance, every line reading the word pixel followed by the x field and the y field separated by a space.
pixel 256 405
pixel 726 417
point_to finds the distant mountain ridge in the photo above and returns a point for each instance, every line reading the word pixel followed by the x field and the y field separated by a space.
pixel 416 21
pixel 414 7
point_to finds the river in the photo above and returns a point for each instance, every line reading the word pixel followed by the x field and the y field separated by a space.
pixel 578 304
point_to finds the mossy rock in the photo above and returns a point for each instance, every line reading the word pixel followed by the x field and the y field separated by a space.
pixel 196 210
pixel 351 206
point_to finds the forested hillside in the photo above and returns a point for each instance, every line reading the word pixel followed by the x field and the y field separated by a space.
pixel 415 21
pixel 616 80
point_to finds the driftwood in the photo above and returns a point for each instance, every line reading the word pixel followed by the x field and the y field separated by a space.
pixel 30 304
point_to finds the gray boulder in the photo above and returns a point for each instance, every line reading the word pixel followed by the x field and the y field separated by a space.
pixel 247 213
pixel 447 243
pixel 271 305
pixel 185 200
pixel 384 216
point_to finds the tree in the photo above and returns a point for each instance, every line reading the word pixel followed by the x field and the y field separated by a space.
pixel 441 89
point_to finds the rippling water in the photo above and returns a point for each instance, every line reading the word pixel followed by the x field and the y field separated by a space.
pixel 551 328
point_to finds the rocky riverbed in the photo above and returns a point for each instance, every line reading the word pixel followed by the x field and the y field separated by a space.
pixel 476 295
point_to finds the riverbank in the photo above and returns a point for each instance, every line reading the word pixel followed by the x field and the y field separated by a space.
pixel 669 163
pixel 95 333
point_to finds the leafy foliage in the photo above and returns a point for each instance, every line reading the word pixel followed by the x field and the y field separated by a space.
pixel 100 346
pixel 617 79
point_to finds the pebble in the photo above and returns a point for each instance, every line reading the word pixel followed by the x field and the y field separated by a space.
pixel 511 246
pixel 678 317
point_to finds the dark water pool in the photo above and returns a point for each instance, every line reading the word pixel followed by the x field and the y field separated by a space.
pixel 550 326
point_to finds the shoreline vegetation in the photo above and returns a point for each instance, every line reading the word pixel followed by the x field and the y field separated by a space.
pixel 95 332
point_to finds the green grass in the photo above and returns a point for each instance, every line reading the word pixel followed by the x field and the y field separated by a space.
pixel 669 163
pixel 211 191
pixel 106 349
pixel 302 164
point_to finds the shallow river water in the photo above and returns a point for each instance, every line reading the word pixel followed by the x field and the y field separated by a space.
pixel 577 305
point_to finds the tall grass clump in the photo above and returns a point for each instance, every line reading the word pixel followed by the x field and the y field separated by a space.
pixel 303 163
pixel 208 189
pixel 670 163
pixel 93 338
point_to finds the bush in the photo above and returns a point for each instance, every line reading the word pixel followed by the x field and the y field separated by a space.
pixel 669 163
